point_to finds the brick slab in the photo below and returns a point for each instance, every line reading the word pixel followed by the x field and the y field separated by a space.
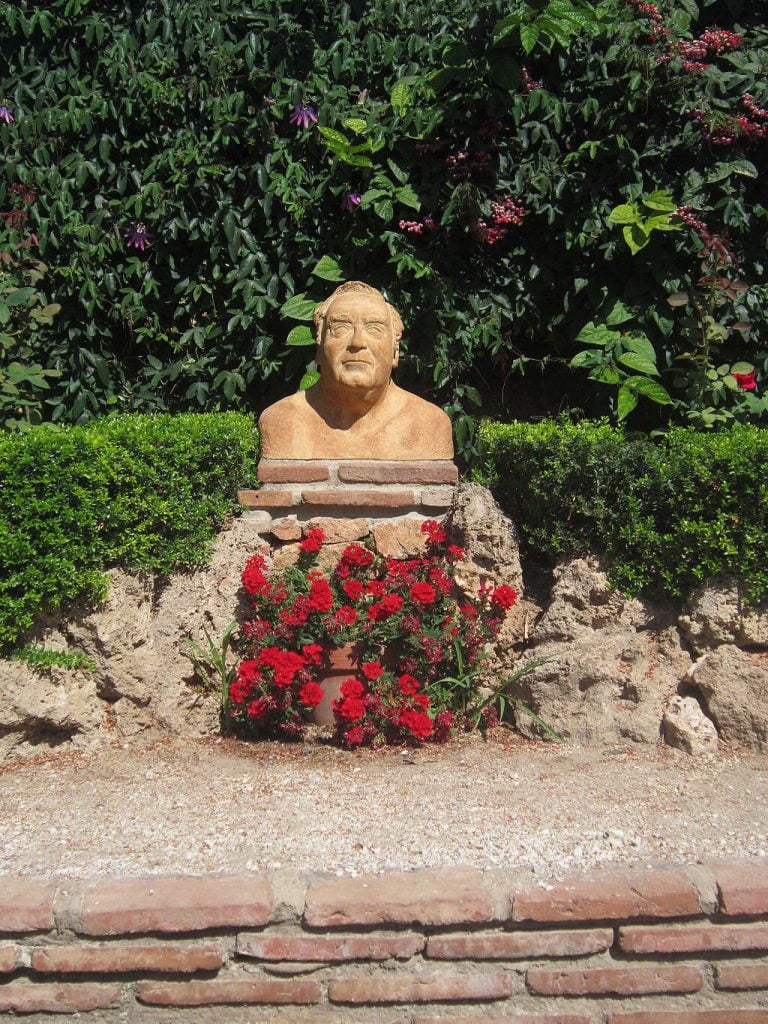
pixel 9 959
pixel 176 905
pixel 352 498
pixel 219 993
pixel 689 1017
pixel 615 896
pixel 26 905
pixel 339 531
pixel 421 988
pixel 57 998
pixel 298 472
pixel 615 981
pixel 398 472
pixel 518 1018
pixel 266 497
pixel 742 888
pixel 312 949
pixel 437 497
pixel 431 897
pixel 116 959
pixel 738 976
pixel 519 945
pixel 692 938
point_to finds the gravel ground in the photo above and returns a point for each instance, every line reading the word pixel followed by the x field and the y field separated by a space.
pixel 224 806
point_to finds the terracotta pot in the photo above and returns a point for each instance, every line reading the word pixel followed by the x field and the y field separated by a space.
pixel 341 666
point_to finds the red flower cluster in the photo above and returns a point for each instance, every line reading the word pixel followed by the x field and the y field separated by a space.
pixel 411 629
pixel 504 214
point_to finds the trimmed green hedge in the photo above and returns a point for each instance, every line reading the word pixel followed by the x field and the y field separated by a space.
pixel 668 513
pixel 142 492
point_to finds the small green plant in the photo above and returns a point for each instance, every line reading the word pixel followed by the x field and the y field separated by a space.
pixel 42 658
pixel 640 219
pixel 626 359
pixel 210 661
pixel 499 699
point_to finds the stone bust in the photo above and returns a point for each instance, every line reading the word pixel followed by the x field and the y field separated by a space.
pixel 356 411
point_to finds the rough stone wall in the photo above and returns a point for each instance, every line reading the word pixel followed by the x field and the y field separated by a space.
pixel 671 945
pixel 612 668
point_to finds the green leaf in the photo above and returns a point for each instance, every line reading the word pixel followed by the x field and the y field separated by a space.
pixel 641 345
pixel 503 27
pixel 355 124
pixel 678 299
pixel 401 96
pixel 585 358
pixel 745 168
pixel 624 214
pixel 328 269
pixel 331 135
pixel 19 296
pixel 742 368
pixel 505 71
pixel 298 307
pixel 635 238
pixel 660 200
pixel 627 401
pixel 599 334
pixel 408 197
pixel 300 336
pixel 310 378
pixel 650 389
pixel 529 36
pixel 619 314
pixel 642 364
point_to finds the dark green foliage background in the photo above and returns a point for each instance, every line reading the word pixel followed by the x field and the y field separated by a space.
pixel 142 492
pixel 175 113
pixel 668 513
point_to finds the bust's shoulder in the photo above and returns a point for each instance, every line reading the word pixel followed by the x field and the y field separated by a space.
pixel 290 405
pixel 416 406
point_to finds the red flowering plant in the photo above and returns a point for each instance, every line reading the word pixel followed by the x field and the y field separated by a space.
pixel 418 643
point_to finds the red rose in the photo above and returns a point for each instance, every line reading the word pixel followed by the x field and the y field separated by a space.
pixel 434 531
pixel 504 597
pixel 248 671
pixel 353 589
pixel 408 684
pixel 351 708
pixel 392 603
pixel 313 653
pixel 320 596
pixel 419 725
pixel 311 694
pixel 746 381
pixel 352 688
pixel 372 670
pixel 312 542
pixel 257 709
pixel 423 593
pixel 354 736
pixel 254 578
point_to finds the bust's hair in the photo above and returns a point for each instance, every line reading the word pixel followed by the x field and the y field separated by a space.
pixel 321 311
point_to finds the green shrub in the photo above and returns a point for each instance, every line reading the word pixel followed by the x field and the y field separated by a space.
pixel 142 492
pixel 668 513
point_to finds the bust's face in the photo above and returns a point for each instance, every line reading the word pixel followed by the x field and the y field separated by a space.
pixel 358 348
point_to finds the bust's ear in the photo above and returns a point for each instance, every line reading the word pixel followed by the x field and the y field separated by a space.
pixel 395 355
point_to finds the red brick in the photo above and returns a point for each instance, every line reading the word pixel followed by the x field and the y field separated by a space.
pixel 176 905
pixel 692 938
pixel 20 998
pixel 610 897
pixel 524 1018
pixel 266 497
pixel 521 945
pixel 421 988
pixel 297 472
pixel 742 887
pixel 614 981
pixel 116 959
pixel 339 531
pixel 351 498
pixel 9 959
pixel 398 472
pixel 690 1017
pixel 26 905
pixel 217 993
pixel 735 976
pixel 432 897
pixel 316 949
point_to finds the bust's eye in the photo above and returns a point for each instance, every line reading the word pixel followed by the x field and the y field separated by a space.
pixel 375 328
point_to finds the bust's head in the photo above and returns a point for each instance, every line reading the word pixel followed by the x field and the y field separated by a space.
pixel 358 337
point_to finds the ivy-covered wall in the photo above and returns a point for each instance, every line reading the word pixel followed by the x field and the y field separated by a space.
pixel 181 167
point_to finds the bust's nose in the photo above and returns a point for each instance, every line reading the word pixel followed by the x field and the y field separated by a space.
pixel 357 338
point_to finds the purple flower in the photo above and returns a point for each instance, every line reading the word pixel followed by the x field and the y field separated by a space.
pixel 138 235
pixel 350 201
pixel 6 115
pixel 303 116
